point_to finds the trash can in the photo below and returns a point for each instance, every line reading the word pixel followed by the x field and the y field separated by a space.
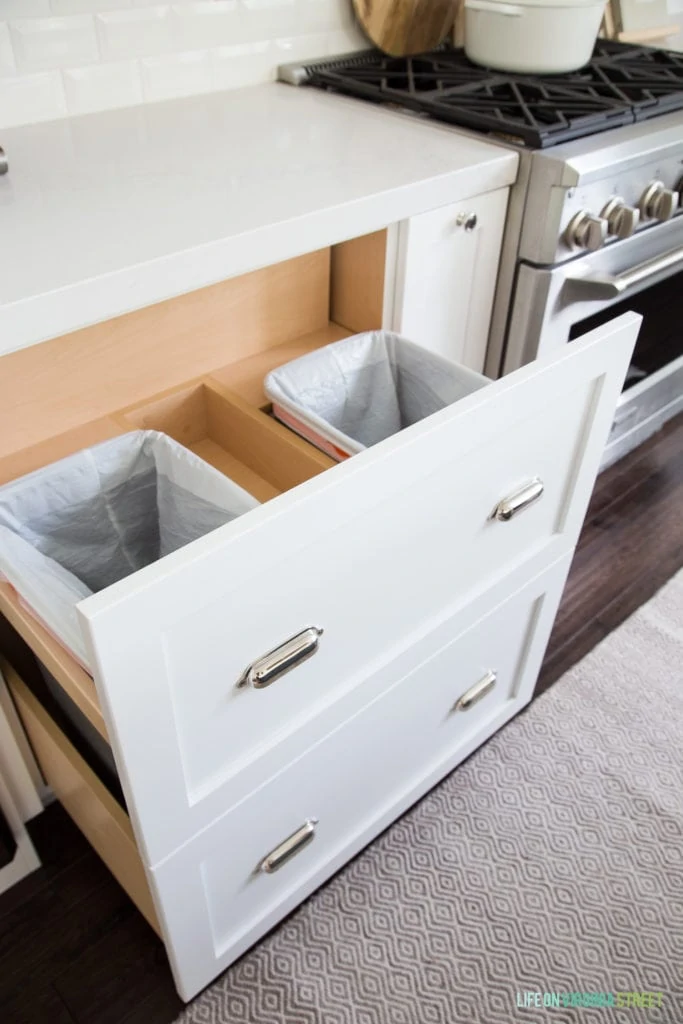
pixel 78 525
pixel 353 393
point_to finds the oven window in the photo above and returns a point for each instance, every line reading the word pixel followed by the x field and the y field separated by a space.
pixel 661 333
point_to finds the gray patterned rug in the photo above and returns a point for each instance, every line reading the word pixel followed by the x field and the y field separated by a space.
pixel 551 862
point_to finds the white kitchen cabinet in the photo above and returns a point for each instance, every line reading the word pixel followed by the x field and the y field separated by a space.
pixel 372 552
pixel 222 891
pixel 446 269
pixel 412 572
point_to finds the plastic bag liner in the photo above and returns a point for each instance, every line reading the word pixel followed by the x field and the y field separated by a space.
pixel 349 395
pixel 79 525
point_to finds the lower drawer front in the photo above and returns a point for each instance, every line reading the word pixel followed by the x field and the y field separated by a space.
pixel 224 889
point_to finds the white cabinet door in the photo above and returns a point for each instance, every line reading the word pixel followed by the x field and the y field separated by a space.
pixel 375 552
pixel 216 896
pixel 447 264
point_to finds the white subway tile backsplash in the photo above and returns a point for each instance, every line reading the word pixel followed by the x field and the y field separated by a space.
pixel 42 43
pixel 60 57
pixel 319 44
pixel 207 23
pixel 347 40
pixel 291 48
pixel 103 86
pixel 322 16
pixel 86 6
pixel 270 19
pixel 176 74
pixel 135 33
pixel 29 98
pixel 25 8
pixel 245 64
pixel 7 65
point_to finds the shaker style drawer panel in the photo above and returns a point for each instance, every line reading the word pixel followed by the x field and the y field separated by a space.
pixel 226 888
pixel 369 553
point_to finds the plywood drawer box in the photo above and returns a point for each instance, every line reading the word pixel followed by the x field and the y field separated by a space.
pixel 375 552
pixel 101 819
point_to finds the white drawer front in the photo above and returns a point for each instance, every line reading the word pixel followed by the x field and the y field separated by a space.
pixel 373 552
pixel 226 888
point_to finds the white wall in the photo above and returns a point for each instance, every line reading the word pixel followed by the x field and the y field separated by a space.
pixel 675 17
pixel 62 57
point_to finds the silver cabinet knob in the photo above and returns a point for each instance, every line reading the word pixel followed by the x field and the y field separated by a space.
pixel 658 202
pixel 586 231
pixel 468 221
pixel 622 220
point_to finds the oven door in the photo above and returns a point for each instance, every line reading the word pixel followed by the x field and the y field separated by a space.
pixel 645 274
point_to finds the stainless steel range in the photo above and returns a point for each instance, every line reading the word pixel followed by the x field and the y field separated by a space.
pixel 593 225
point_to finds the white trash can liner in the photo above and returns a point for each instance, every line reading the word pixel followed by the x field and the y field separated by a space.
pixel 76 526
pixel 353 393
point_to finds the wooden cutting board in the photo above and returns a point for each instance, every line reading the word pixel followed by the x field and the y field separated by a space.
pixel 403 27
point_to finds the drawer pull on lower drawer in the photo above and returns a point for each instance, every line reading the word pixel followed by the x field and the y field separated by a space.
pixel 278 857
pixel 517 502
pixel 476 692
pixel 281 659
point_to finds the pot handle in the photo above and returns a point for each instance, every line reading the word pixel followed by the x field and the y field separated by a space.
pixel 508 10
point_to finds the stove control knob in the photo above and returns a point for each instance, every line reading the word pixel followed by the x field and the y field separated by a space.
pixel 585 231
pixel 658 202
pixel 622 220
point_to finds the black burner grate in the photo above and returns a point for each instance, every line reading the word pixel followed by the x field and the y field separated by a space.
pixel 620 85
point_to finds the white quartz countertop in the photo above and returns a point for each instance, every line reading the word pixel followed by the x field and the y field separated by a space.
pixel 106 213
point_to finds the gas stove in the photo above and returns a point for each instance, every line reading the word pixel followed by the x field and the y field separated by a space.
pixel 621 85
pixel 594 221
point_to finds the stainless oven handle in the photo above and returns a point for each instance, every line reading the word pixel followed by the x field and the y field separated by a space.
pixel 610 286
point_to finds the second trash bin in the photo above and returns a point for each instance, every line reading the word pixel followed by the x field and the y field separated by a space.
pixel 356 392
pixel 78 525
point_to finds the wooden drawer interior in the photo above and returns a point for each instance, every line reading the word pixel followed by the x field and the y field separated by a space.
pixel 241 441
pixel 193 368
pixel 67 393
pixel 97 814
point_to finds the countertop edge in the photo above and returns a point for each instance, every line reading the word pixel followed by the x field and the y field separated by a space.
pixel 51 314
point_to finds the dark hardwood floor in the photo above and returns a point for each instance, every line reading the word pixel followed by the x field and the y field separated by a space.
pixel 73 949
pixel 630 545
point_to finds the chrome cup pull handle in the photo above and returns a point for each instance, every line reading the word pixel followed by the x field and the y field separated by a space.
pixel 476 693
pixel 278 857
pixel 517 502
pixel 281 659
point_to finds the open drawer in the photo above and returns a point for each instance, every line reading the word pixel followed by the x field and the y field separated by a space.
pixel 366 557
pixel 215 896
pixel 341 569
pixel 349 568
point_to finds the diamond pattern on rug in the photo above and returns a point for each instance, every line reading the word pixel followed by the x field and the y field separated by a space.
pixel 552 860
